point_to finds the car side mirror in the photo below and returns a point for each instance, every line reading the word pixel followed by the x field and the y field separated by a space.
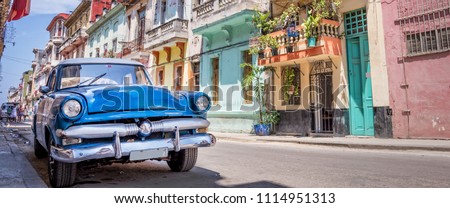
pixel 44 89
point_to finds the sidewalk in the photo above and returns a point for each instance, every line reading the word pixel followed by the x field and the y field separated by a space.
pixel 15 170
pixel 349 142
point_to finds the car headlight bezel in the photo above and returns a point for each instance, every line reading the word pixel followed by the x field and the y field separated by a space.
pixel 202 103
pixel 71 109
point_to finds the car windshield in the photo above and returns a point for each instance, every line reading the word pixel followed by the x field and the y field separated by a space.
pixel 102 74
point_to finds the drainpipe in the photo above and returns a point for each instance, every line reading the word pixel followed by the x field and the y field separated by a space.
pixel 406 112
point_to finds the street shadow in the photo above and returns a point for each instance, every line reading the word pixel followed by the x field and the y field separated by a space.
pixel 152 174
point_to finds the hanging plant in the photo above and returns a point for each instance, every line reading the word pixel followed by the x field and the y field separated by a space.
pixel 290 86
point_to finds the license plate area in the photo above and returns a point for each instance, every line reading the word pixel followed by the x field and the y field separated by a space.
pixel 149 154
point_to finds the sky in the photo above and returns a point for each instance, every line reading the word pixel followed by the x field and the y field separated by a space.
pixel 30 32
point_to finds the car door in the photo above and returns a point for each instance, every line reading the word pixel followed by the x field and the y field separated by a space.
pixel 44 107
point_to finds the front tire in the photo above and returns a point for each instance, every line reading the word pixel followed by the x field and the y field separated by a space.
pixel 39 150
pixel 61 174
pixel 184 160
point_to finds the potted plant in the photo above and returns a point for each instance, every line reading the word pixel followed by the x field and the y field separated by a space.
pixel 309 25
pixel 271 42
pixel 255 79
pixel 319 9
pixel 270 118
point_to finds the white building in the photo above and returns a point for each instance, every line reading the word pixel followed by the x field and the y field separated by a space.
pixel 106 34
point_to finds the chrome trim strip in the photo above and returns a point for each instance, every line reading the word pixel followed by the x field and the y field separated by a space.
pixel 92 131
pixel 117 146
pixel 106 150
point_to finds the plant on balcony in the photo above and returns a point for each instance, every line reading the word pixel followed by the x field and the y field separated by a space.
pixel 310 25
pixel 290 87
pixel 264 25
pixel 288 17
pixel 327 9
pixel 262 21
pixel 266 118
pixel 319 9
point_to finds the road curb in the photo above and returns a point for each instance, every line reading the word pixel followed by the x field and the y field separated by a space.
pixel 345 145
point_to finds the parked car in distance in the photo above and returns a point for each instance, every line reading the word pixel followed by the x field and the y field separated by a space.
pixel 101 111
pixel 6 109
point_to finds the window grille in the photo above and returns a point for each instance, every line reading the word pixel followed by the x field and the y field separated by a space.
pixel 356 22
pixel 425 25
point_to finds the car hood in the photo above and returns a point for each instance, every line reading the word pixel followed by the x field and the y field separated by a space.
pixel 128 98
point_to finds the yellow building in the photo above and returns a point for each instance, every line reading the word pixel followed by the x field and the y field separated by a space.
pixel 167 37
pixel 337 86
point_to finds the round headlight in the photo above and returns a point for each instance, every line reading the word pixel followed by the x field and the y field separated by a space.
pixel 202 103
pixel 145 128
pixel 71 108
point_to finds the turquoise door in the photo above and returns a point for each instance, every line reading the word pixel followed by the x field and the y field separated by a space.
pixel 360 84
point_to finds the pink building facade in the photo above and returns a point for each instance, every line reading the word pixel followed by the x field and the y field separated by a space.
pixel 417 45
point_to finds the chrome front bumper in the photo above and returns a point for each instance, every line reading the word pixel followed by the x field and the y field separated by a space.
pixel 118 149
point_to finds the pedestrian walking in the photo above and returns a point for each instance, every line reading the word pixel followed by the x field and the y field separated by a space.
pixel 20 113
pixel 13 116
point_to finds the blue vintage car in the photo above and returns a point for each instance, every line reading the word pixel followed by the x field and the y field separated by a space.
pixel 101 111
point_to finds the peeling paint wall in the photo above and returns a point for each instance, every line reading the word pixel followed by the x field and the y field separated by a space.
pixel 428 78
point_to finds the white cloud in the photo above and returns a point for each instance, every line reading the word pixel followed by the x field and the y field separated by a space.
pixel 53 6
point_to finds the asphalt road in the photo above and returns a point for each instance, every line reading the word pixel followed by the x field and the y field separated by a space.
pixel 251 164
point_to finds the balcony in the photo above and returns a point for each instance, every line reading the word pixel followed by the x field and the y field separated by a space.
pixel 214 6
pixel 136 45
pixel 170 31
pixel 292 48
pixel 57 40
pixel 48 45
pixel 77 39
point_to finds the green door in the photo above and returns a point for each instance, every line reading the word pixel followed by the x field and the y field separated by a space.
pixel 360 84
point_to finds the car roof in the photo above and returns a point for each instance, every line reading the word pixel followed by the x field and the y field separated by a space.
pixel 99 61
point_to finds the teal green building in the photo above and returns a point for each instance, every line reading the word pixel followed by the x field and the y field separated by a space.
pixel 225 45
